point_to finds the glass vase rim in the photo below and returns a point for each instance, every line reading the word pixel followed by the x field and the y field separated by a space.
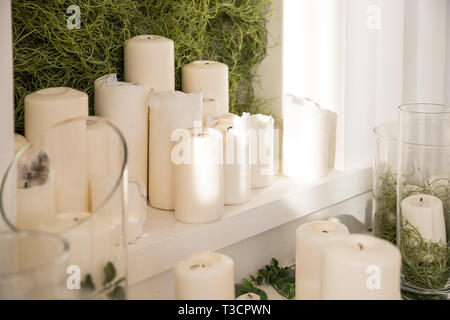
pixel 59 258
pixel 378 134
pixel 444 108
pixel 3 214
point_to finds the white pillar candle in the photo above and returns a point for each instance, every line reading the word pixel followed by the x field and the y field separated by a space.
pixel 91 241
pixel 249 296
pixel 426 214
pixel 211 77
pixel 149 60
pixel 199 178
pixel 262 150
pixel 211 107
pixel 19 142
pixel 43 109
pixel 360 267
pixel 235 156
pixel 205 276
pixel 36 199
pixel 306 139
pixel 311 238
pixel 126 105
pixel 168 111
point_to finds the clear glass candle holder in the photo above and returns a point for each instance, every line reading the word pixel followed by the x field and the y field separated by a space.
pixel 423 188
pixel 70 181
pixel 384 189
pixel 32 265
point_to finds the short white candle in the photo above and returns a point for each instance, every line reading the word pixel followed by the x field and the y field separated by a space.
pixel 149 60
pixel 361 267
pixel 311 238
pixel 262 150
pixel 235 156
pixel 67 146
pixel 198 182
pixel 205 276
pixel 211 77
pixel 168 111
pixel 211 107
pixel 249 296
pixel 91 239
pixel 307 139
pixel 426 214
pixel 126 105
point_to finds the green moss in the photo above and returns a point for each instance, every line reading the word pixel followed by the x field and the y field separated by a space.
pixel 48 54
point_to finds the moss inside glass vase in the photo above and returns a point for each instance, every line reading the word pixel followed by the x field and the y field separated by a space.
pixel 49 54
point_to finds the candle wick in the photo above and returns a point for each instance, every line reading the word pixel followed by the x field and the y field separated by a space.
pixel 26 184
pixel 361 247
pixel 324 231
pixel 421 202
pixel 195 266
pixel 230 127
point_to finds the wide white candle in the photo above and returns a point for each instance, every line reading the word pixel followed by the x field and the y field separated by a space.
pixel 211 77
pixel 211 107
pixel 91 239
pixel 67 146
pixel 19 142
pixel 205 276
pixel 307 133
pixel 168 111
pixel 36 200
pixel 426 214
pixel 361 267
pixel 199 178
pixel 249 296
pixel 261 150
pixel 126 104
pixel 149 60
pixel 312 238
pixel 235 155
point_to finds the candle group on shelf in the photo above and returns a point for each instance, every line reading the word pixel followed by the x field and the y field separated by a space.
pixel 332 264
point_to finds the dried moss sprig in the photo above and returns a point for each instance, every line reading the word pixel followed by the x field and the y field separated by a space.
pixel 48 54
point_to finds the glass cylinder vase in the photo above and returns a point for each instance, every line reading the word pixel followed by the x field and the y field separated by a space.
pixel 70 181
pixel 423 188
pixel 32 265
pixel 385 182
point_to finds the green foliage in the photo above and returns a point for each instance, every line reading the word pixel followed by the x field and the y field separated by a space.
pixel 48 54
pixel 282 279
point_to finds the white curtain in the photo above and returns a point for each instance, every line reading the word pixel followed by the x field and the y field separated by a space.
pixel 364 58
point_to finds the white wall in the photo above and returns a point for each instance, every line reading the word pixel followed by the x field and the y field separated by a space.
pixel 6 102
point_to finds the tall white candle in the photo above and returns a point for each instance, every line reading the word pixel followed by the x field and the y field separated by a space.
pixel 35 195
pixel 149 60
pixel 126 105
pixel 262 150
pixel 67 146
pixel 307 132
pixel 312 238
pixel 211 107
pixel 168 111
pixel 211 77
pixel 235 156
pixel 91 239
pixel 361 267
pixel 426 214
pixel 205 276
pixel 199 178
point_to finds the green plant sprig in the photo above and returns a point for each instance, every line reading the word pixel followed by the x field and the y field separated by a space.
pixel 48 54
pixel 282 279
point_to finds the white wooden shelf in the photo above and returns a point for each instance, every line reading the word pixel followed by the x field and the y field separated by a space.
pixel 166 240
